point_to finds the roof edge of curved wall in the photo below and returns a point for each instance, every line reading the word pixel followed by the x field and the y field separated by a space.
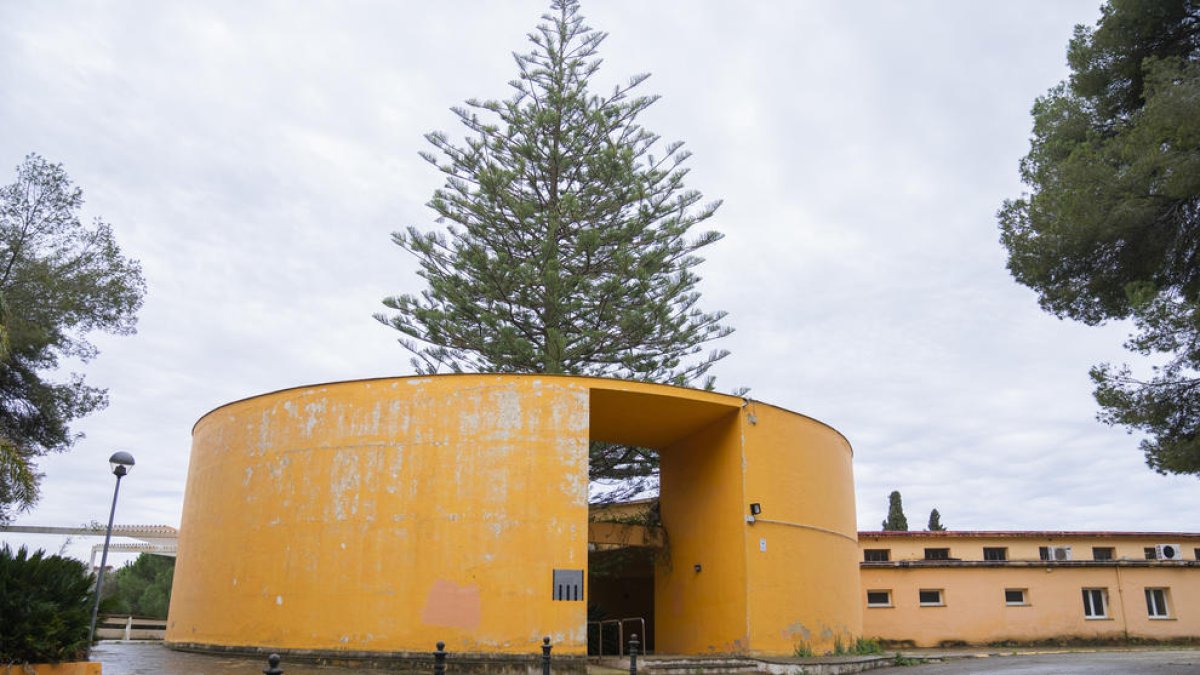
pixel 713 395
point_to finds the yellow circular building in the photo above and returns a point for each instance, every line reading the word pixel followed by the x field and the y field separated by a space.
pixel 376 517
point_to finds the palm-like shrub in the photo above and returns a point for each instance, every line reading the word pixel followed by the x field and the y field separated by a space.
pixel 45 607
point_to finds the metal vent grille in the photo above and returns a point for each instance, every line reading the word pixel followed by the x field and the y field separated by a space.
pixel 568 585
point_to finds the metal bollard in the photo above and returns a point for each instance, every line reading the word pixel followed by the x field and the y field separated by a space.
pixel 633 651
pixel 439 659
pixel 273 666
pixel 546 655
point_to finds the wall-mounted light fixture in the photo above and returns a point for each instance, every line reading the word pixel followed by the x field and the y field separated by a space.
pixel 755 509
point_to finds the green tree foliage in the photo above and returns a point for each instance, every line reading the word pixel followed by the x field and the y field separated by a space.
pixel 567 249
pixel 1111 226
pixel 935 522
pixel 45 607
pixel 60 279
pixel 895 522
pixel 569 245
pixel 141 588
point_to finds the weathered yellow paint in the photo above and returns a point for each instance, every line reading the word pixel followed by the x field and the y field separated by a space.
pixel 803 589
pixel 975 611
pixel 384 515
pixel 703 507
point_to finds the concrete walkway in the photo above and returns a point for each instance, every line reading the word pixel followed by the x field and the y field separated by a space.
pixel 152 658
pixel 1158 661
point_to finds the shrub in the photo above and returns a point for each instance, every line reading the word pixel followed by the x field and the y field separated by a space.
pixel 46 605
pixel 141 588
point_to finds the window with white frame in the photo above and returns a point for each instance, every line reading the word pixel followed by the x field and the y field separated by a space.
pixel 931 597
pixel 1095 603
pixel 1016 596
pixel 1156 603
pixel 879 598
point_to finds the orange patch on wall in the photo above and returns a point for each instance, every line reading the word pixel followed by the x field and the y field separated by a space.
pixel 449 604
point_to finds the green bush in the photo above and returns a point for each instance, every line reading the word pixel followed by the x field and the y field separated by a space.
pixel 141 588
pixel 45 602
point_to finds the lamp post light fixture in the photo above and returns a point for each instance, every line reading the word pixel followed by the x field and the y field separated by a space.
pixel 121 463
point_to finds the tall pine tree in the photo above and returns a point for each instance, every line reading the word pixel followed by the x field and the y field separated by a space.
pixel 1110 229
pixel 895 522
pixel 935 522
pixel 568 245
pixel 567 248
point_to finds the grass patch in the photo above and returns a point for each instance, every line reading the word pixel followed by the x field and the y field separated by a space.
pixel 803 651
pixel 866 646
pixel 860 647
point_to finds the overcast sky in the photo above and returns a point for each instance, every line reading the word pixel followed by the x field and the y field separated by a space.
pixel 256 156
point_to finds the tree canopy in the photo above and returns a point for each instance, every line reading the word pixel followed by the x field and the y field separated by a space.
pixel 567 247
pixel 141 588
pixel 569 243
pixel 60 279
pixel 895 521
pixel 1111 226
pixel 935 522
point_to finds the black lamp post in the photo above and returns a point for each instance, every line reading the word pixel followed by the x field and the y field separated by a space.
pixel 121 463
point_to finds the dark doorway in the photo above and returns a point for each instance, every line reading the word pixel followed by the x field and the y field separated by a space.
pixel 620 599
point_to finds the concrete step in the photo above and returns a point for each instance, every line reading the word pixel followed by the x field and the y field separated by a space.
pixel 677 665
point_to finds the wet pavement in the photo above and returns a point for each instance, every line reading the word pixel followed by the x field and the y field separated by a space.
pixel 152 658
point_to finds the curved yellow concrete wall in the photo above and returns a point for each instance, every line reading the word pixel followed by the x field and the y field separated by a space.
pixel 379 516
pixel 788 579
pixel 385 515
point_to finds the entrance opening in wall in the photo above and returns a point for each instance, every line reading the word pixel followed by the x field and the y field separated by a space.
pixel 629 561
pixel 625 541
pixel 620 599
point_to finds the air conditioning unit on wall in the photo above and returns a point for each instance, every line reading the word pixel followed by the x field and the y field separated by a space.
pixel 1059 553
pixel 1168 552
